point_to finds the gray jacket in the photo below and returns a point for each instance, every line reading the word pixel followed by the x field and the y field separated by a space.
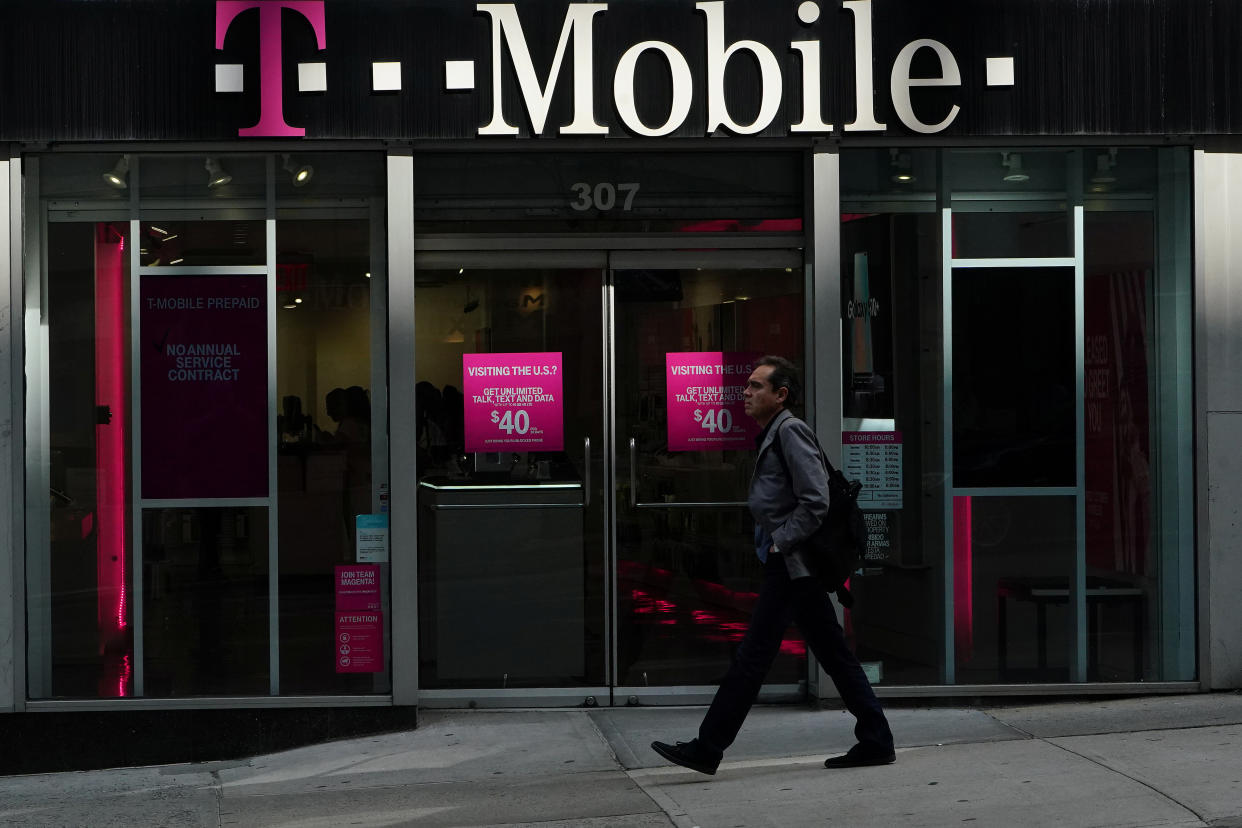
pixel 788 507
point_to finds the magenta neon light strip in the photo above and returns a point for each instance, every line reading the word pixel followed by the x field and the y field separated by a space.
pixel 110 439
pixel 963 581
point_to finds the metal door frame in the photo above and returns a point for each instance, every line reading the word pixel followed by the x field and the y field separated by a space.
pixel 607 255
pixel 697 694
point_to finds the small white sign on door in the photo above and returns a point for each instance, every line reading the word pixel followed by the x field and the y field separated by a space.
pixel 372 538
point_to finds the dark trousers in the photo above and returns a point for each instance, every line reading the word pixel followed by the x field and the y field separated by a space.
pixel 804 602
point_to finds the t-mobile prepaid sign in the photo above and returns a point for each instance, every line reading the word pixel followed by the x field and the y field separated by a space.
pixel 513 402
pixel 706 410
pixel 203 341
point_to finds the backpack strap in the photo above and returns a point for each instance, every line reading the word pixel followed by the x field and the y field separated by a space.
pixel 842 592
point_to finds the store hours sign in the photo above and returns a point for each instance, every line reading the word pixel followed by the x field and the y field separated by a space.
pixel 203 363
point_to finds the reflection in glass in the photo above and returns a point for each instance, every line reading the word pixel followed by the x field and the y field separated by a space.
pixel 324 321
pixel 510 541
pixel 1013 560
pixel 175 243
pixel 205 607
pixel 86 573
pixel 1124 419
pixel 891 307
pixel 753 192
pixel 688 576
pixel 1013 377
pixel 998 233
pixel 199 177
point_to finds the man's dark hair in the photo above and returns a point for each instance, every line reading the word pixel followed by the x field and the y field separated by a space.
pixel 784 375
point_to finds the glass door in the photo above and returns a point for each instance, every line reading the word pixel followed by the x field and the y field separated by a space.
pixel 510 421
pixel 686 329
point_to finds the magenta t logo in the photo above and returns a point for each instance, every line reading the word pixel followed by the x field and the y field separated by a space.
pixel 271 76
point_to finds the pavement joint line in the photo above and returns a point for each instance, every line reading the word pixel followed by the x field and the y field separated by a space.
pixel 1013 727
pixel 613 740
pixel 217 790
pixel 1101 763
pixel 665 803
pixel 676 814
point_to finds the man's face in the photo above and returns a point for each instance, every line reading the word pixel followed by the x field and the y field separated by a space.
pixel 761 400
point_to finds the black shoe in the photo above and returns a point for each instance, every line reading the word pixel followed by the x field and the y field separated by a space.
pixel 860 757
pixel 690 755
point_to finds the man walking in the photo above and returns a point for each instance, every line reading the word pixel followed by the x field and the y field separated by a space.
pixel 789 500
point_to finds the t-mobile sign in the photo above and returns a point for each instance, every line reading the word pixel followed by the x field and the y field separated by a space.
pixel 203 342
pixel 706 410
pixel 513 402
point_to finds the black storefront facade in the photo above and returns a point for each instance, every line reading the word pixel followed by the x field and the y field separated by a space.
pixel 362 359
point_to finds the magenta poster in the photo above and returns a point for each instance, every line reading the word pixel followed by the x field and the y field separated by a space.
pixel 203 343
pixel 513 402
pixel 705 405
pixel 357 588
pixel 360 642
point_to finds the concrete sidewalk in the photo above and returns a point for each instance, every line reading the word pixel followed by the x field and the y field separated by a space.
pixel 1152 761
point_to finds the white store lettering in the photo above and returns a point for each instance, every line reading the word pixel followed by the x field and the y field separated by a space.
pixel 508 37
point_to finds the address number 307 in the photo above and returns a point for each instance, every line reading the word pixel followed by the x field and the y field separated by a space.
pixel 603 197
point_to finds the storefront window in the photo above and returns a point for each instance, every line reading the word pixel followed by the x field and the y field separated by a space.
pixel 202 438
pixel 671 192
pixel 1024 339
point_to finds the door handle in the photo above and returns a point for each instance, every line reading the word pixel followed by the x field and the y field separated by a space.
pixel 667 504
pixel 586 464
pixel 633 473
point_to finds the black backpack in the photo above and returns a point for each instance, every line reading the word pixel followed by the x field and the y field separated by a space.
pixel 835 550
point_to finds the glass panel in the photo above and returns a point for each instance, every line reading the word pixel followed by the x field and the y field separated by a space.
pixel 72 175
pixel 1004 233
pixel 1013 377
pixel 197 177
pixel 1119 433
pixel 688 576
pixel 324 370
pixel 81 643
pixel 1120 171
pixel 1013 385
pixel 1013 558
pixel 1131 334
pixel 1008 174
pixel 511 543
pixel 205 601
pixel 203 243
pixel 307 176
pixel 598 192
pixel 887 175
pixel 893 414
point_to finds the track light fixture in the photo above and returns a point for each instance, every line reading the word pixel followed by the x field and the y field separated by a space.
pixel 900 166
pixel 299 173
pixel 118 176
pixel 1012 162
pixel 1105 163
pixel 216 176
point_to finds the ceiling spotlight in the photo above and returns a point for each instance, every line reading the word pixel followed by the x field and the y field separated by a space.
pixel 901 167
pixel 216 176
pixel 118 176
pixel 1012 162
pixel 1105 163
pixel 299 173
pixel 298 301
